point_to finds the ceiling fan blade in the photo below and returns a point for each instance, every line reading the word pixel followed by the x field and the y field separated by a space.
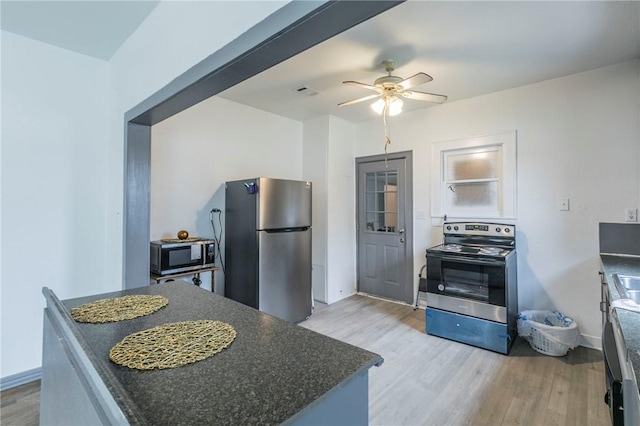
pixel 355 101
pixel 362 85
pixel 421 96
pixel 415 80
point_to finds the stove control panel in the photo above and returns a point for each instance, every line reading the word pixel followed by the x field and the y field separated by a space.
pixel 475 228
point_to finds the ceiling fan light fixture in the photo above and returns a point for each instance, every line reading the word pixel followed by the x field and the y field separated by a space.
pixel 393 104
pixel 378 106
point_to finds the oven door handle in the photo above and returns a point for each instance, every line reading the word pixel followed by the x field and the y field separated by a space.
pixel 468 259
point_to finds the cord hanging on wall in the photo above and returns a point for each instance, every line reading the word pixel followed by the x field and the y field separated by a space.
pixel 217 237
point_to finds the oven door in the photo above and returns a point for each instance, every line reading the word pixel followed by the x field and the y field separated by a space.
pixel 467 285
pixel 481 280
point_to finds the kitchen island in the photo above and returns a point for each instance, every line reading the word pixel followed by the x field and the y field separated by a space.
pixel 274 372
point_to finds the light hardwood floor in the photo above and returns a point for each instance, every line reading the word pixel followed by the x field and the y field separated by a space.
pixel 425 380
pixel 21 405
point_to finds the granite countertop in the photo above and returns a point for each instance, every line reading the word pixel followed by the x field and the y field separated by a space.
pixel 271 372
pixel 629 320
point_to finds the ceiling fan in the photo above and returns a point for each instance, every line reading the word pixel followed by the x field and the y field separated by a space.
pixel 389 89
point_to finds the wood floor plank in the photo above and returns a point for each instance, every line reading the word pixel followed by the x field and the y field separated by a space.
pixel 556 412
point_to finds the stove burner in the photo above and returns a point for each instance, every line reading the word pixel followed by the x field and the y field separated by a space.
pixel 490 250
pixel 452 247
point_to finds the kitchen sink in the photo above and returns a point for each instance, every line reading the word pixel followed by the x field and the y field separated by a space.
pixel 628 286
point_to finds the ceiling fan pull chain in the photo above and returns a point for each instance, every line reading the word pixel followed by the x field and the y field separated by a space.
pixel 385 114
pixel 385 152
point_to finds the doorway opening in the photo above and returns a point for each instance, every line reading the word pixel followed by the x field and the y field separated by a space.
pixel 292 29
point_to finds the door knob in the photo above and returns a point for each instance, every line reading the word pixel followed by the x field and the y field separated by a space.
pixel 401 231
pixel 402 240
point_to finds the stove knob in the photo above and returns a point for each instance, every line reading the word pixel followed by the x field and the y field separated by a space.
pixel 448 228
pixel 507 230
pixel 441 287
pixel 498 229
pixel 455 228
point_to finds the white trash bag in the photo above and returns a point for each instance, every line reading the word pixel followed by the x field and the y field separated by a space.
pixel 549 332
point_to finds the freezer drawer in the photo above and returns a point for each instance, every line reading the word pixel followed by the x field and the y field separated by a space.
pixel 284 268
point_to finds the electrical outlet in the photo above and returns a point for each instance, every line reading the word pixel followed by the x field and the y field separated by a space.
pixel 563 205
pixel 631 215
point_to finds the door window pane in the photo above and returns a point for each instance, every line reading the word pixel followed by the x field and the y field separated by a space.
pixel 381 201
pixel 392 178
pixel 370 202
pixel 371 221
pixel 390 222
pixel 371 182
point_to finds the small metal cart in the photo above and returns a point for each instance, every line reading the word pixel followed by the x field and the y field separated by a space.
pixel 196 276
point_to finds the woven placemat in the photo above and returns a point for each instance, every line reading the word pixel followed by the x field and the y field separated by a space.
pixel 172 345
pixel 118 308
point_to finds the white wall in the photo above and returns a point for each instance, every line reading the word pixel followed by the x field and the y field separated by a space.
pixel 341 205
pixel 176 36
pixel 63 156
pixel 314 168
pixel 329 162
pixel 54 149
pixel 195 152
pixel 578 138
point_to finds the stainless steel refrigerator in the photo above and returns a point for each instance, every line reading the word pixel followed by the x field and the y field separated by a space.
pixel 268 246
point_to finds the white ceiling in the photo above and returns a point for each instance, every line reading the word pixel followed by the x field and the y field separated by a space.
pixel 469 48
pixel 91 27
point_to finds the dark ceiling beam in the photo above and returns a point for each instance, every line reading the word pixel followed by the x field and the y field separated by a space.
pixel 220 71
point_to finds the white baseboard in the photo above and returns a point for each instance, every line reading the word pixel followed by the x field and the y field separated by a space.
pixel 20 379
pixel 592 342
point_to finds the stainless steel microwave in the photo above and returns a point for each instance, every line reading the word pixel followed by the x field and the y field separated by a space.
pixel 173 257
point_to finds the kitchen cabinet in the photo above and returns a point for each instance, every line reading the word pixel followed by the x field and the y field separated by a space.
pixel 273 372
pixel 621 343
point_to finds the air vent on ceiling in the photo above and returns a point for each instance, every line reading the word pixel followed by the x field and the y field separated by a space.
pixel 306 91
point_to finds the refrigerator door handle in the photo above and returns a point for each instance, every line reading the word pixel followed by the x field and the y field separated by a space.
pixel 298 229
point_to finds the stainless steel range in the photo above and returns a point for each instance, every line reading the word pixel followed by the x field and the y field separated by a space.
pixel 472 294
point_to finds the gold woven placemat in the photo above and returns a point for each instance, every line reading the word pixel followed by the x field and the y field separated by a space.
pixel 118 308
pixel 172 345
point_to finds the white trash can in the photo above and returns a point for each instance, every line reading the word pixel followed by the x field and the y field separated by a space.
pixel 548 332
